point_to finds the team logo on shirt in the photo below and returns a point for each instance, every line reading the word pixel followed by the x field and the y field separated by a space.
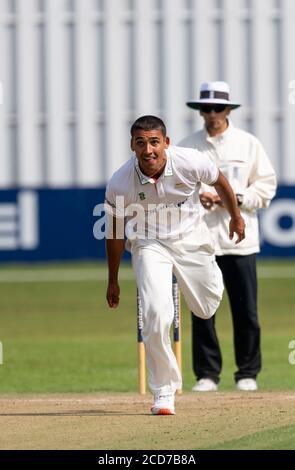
pixel 141 196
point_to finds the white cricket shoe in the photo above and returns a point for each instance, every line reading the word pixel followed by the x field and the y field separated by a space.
pixel 205 385
pixel 163 405
pixel 247 385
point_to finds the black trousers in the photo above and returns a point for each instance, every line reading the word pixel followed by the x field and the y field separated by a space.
pixel 239 275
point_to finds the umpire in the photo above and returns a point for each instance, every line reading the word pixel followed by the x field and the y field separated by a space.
pixel 241 157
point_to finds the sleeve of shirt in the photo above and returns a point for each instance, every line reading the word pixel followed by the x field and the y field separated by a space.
pixel 262 182
pixel 114 202
pixel 114 207
pixel 207 171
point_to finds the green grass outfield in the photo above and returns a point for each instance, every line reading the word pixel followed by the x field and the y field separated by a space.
pixel 58 334
pixel 280 439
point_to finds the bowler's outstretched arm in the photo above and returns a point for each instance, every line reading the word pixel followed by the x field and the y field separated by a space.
pixel 114 250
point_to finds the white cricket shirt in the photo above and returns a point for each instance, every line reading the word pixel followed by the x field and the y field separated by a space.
pixel 166 208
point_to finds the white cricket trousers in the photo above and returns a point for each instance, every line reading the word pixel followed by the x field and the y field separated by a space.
pixel 200 281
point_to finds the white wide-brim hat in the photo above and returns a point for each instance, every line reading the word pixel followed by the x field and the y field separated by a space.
pixel 213 93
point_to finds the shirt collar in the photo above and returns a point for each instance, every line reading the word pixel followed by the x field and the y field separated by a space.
pixel 219 137
pixel 144 179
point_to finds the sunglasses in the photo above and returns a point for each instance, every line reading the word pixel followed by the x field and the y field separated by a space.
pixel 217 108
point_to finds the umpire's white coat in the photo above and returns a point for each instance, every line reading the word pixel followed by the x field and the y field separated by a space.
pixel 242 159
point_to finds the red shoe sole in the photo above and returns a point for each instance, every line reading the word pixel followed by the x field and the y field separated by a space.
pixel 163 411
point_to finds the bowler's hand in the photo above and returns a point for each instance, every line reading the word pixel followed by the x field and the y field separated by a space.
pixel 113 294
pixel 237 225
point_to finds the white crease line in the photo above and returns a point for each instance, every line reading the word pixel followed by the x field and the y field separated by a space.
pixel 76 275
pixel 60 401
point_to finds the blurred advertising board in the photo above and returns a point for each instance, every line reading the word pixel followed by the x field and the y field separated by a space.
pixel 59 224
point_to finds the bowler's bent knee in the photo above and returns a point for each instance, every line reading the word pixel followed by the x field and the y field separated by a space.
pixel 208 310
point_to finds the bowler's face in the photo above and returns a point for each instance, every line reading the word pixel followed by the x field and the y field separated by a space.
pixel 149 147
